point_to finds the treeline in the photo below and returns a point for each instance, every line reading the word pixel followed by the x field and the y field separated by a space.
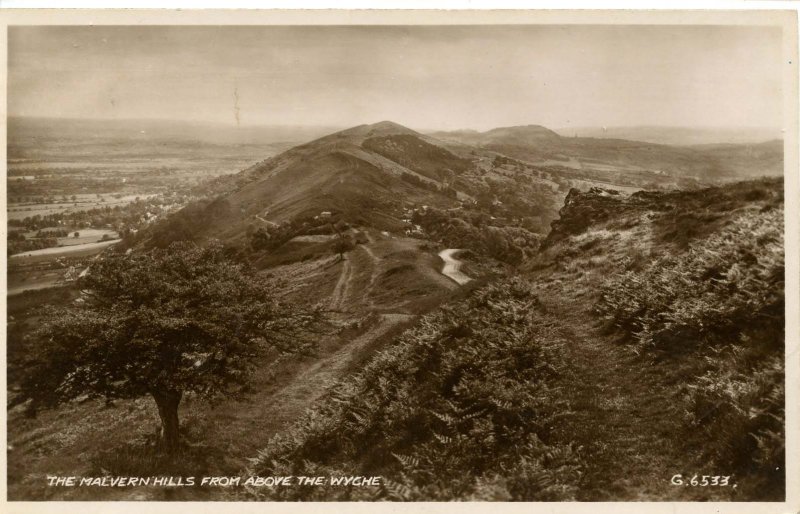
pixel 17 245
pixel 444 189
pixel 273 237
pixel 117 217
pixel 188 223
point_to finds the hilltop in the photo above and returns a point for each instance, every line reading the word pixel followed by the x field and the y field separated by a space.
pixel 366 174
pixel 472 194
pixel 375 175
pixel 383 177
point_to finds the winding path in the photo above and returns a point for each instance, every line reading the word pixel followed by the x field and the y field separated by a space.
pixel 452 266
pixel 268 222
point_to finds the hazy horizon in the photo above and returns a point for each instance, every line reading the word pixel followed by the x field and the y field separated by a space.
pixel 233 125
pixel 424 77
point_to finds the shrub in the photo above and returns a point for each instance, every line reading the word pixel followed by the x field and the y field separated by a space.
pixel 731 280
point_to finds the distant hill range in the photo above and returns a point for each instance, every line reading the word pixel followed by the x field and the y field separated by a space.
pixel 704 154
pixel 371 175
pixel 678 136
pixel 539 145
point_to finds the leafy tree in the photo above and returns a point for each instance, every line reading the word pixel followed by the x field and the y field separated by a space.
pixel 344 242
pixel 259 239
pixel 163 323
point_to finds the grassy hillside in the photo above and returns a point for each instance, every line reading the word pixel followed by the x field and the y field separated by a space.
pixel 366 175
pixel 609 340
pixel 379 176
pixel 461 406
pixel 417 155
pixel 692 282
pixel 645 340
pixel 376 291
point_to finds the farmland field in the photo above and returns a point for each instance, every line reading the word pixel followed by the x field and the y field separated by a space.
pixel 81 250
pixel 19 211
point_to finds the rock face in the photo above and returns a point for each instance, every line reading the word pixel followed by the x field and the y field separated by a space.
pixel 673 217
pixel 582 209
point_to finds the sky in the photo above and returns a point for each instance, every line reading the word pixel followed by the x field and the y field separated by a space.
pixel 454 77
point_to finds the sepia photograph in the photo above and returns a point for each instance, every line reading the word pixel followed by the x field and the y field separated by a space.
pixel 423 258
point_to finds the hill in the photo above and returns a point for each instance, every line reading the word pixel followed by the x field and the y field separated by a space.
pixel 610 338
pixel 678 136
pixel 366 175
pixel 538 145
pixel 382 176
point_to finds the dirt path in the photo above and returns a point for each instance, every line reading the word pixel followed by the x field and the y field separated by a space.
pixel 340 291
pixel 624 414
pixel 275 410
pixel 373 276
pixel 268 222
pixel 452 266
pixel 300 393
pixel 350 268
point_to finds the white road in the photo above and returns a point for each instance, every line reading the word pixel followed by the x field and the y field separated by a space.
pixel 452 266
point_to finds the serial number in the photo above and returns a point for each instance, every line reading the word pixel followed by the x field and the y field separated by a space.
pixel 702 480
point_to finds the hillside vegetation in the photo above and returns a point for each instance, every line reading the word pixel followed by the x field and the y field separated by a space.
pixel 461 406
pixel 645 340
pixel 607 340
pixel 718 309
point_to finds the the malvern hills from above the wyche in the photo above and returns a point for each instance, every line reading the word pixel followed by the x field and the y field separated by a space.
pixel 400 263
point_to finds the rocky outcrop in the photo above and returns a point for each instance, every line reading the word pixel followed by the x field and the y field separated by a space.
pixel 582 209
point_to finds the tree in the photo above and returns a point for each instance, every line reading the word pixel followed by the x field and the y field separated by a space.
pixel 344 242
pixel 164 323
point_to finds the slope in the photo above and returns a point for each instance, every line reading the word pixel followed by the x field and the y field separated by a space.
pixel 366 175
pixel 644 342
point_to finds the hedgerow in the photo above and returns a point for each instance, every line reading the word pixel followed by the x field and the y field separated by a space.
pixel 459 407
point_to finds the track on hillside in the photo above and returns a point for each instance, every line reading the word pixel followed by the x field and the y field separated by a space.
pixel 452 266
